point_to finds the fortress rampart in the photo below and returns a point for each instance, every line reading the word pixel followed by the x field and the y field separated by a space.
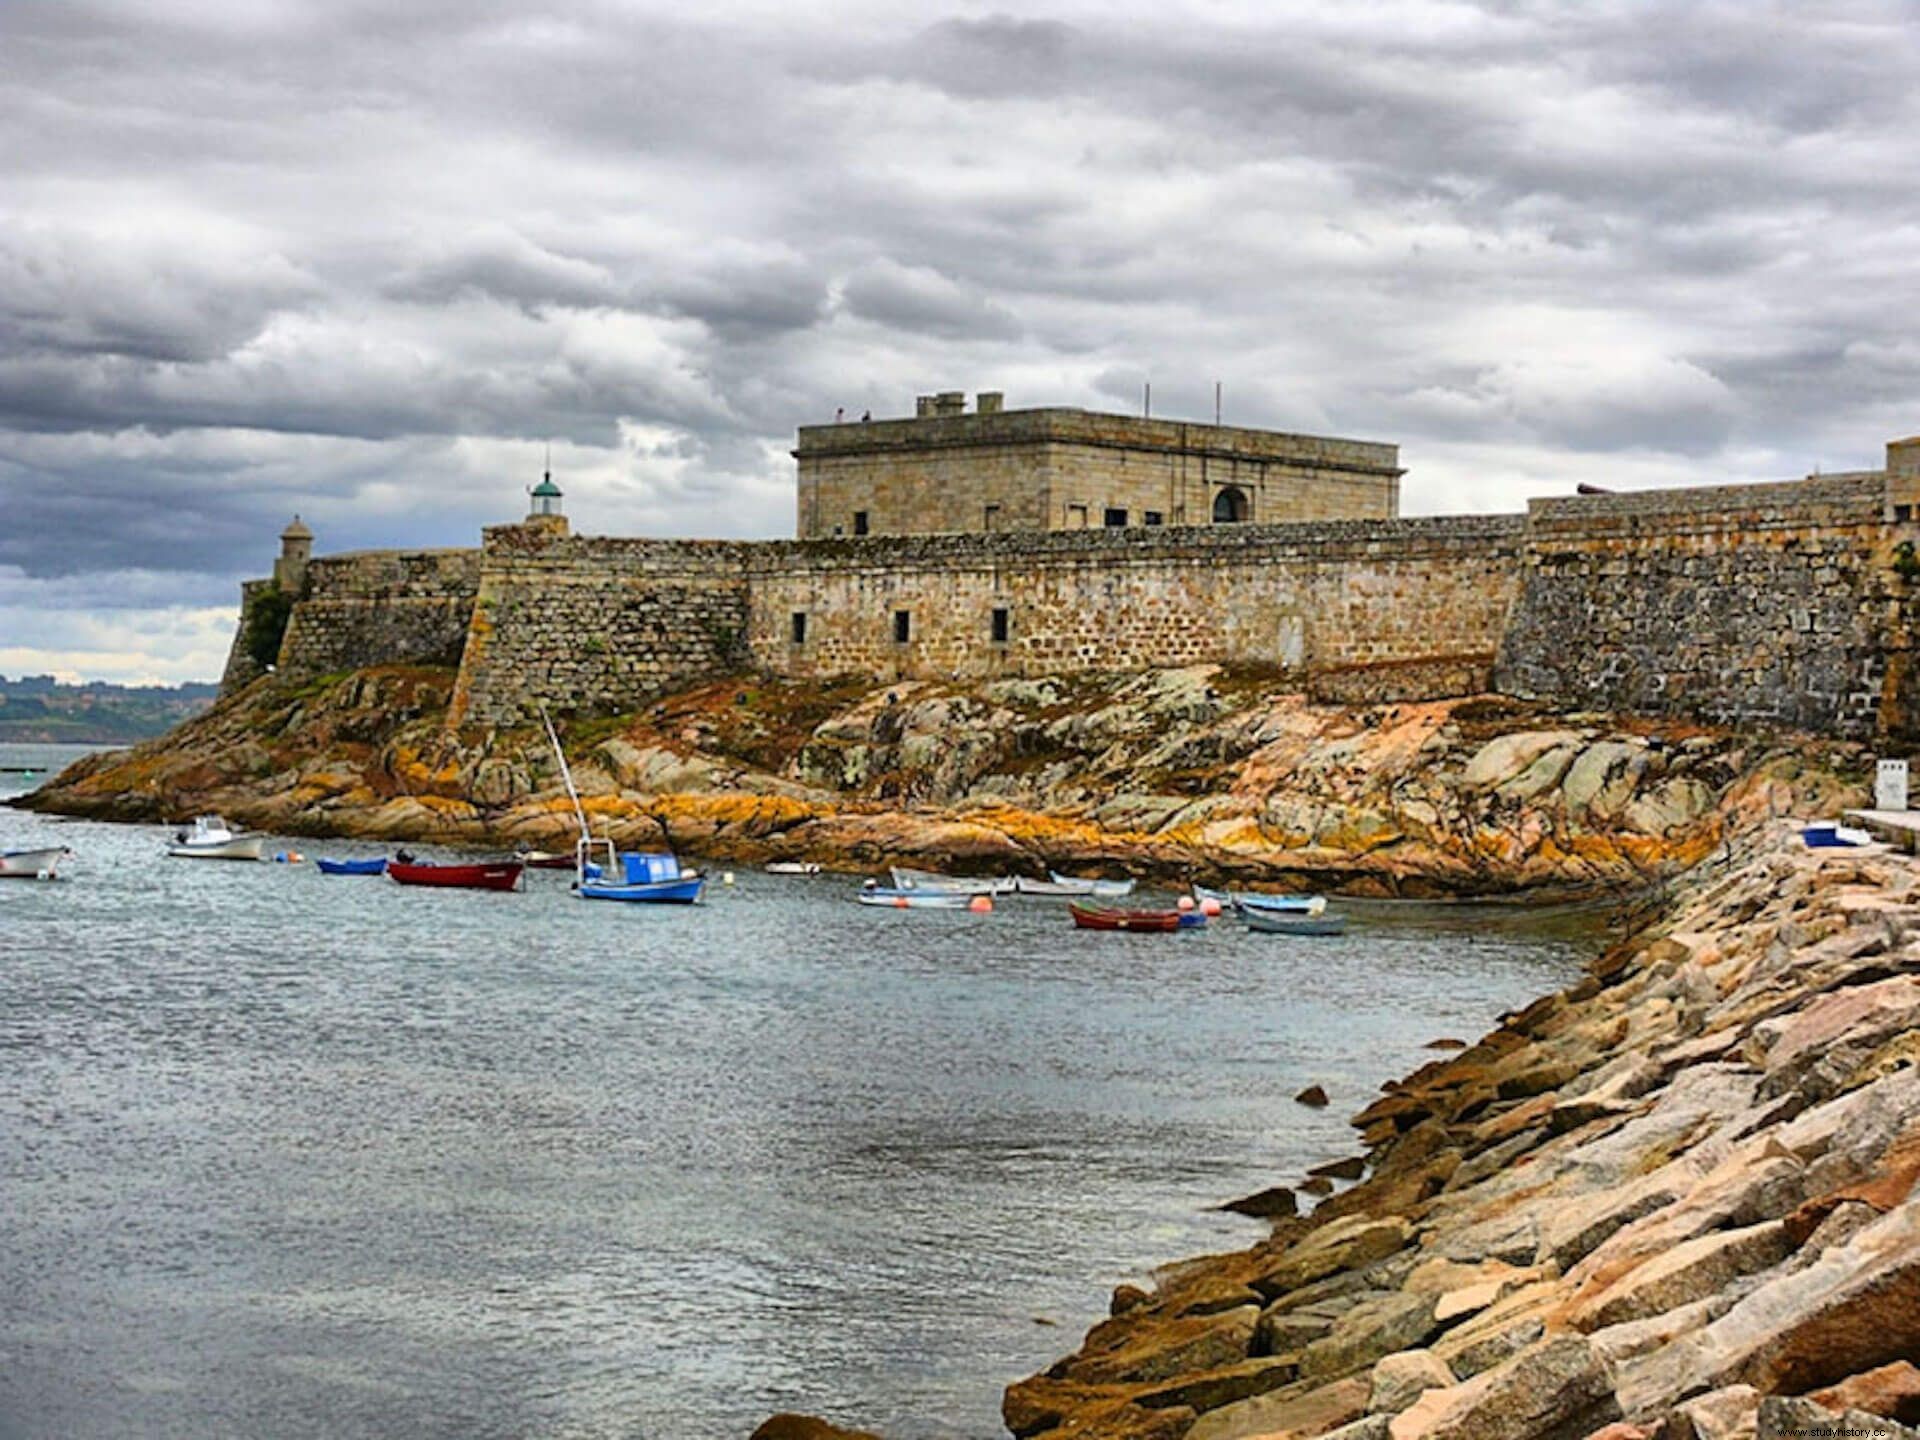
pixel 1789 604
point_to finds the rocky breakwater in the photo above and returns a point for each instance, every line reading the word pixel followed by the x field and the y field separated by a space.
pixel 1196 772
pixel 1676 1201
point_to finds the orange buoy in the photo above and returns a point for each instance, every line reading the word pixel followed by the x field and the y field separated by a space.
pixel 981 905
pixel 1184 904
pixel 1209 906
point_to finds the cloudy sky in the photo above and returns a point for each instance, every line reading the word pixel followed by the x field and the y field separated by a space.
pixel 366 261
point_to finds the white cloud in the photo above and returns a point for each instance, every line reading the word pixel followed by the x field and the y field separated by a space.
pixel 1659 243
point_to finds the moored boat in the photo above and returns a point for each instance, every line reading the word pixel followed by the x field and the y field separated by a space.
pixel 545 859
pixel 211 838
pixel 1101 917
pixel 1247 900
pixel 375 866
pixel 655 879
pixel 1057 885
pixel 792 867
pixel 490 875
pixel 934 883
pixel 41 864
pixel 1280 922
pixel 895 898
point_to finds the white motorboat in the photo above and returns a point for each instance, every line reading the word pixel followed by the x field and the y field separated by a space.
pixel 32 864
pixel 211 838
pixel 792 867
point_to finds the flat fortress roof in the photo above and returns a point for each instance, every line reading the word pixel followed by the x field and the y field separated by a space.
pixel 1069 426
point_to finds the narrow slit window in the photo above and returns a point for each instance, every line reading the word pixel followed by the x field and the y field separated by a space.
pixel 799 627
pixel 999 626
pixel 902 626
pixel 859 522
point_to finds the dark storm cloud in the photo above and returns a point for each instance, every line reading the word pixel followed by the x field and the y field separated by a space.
pixel 368 261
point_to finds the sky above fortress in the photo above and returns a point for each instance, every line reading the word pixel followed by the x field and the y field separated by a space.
pixel 367 261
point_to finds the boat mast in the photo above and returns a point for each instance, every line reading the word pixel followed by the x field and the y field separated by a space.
pixel 579 811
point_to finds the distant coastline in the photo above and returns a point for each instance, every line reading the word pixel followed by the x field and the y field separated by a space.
pixel 40 710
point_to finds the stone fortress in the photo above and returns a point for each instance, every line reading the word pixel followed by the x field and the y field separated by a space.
pixel 1054 541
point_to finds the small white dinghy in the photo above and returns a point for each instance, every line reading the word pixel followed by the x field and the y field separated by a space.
pixel 792 867
pixel 32 864
pixel 211 838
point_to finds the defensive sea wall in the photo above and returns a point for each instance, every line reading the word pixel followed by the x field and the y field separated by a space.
pixel 591 623
pixel 1786 604
pixel 1756 604
pixel 1307 598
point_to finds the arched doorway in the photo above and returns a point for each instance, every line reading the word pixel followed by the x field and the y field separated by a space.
pixel 1230 506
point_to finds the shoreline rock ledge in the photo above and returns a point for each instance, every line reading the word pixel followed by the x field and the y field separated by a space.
pixel 1676 1201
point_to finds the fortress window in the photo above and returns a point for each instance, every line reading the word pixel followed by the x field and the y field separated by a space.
pixel 992 518
pixel 1230 506
pixel 1115 517
pixel 1076 517
pixel 902 626
pixel 799 627
pixel 1153 517
pixel 999 626
pixel 859 522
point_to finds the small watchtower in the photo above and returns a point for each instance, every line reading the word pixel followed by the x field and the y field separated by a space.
pixel 296 548
pixel 544 509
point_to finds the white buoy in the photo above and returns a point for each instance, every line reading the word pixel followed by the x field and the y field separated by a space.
pixel 726 877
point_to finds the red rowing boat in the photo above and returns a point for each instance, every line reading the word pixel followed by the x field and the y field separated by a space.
pixel 1095 917
pixel 498 875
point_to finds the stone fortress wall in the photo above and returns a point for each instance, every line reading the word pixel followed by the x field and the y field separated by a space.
pixel 1782 604
pixel 948 471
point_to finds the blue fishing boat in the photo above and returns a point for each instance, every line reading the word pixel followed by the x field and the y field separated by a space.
pixel 655 879
pixel 376 866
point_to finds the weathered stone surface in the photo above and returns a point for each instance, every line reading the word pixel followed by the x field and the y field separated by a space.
pixel 1891 1390
pixel 1275 1200
pixel 1172 1347
pixel 1203 1390
pixel 1795 1415
pixel 1732 1413
pixel 1304 1410
pixel 1501 1331
pixel 1855 1307
pixel 806 1427
pixel 1688 1272
pixel 1554 1390
pixel 1401 1378
pixel 1345 1244
pixel 1398 1321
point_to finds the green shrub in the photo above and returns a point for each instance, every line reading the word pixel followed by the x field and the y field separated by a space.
pixel 267 625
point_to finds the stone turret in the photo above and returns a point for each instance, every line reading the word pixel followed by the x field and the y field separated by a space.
pixel 296 548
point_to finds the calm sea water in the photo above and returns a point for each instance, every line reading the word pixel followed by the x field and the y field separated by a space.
pixel 284 1155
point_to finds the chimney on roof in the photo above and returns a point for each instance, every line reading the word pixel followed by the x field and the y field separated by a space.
pixel 1903 456
pixel 922 406
pixel 988 402
pixel 950 402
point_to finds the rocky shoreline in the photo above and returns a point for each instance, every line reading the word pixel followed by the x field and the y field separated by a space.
pixel 1197 773
pixel 1676 1201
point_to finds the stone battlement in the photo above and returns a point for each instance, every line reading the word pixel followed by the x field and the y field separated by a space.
pixel 1782 604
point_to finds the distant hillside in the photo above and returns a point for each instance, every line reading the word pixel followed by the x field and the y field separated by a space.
pixel 39 710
